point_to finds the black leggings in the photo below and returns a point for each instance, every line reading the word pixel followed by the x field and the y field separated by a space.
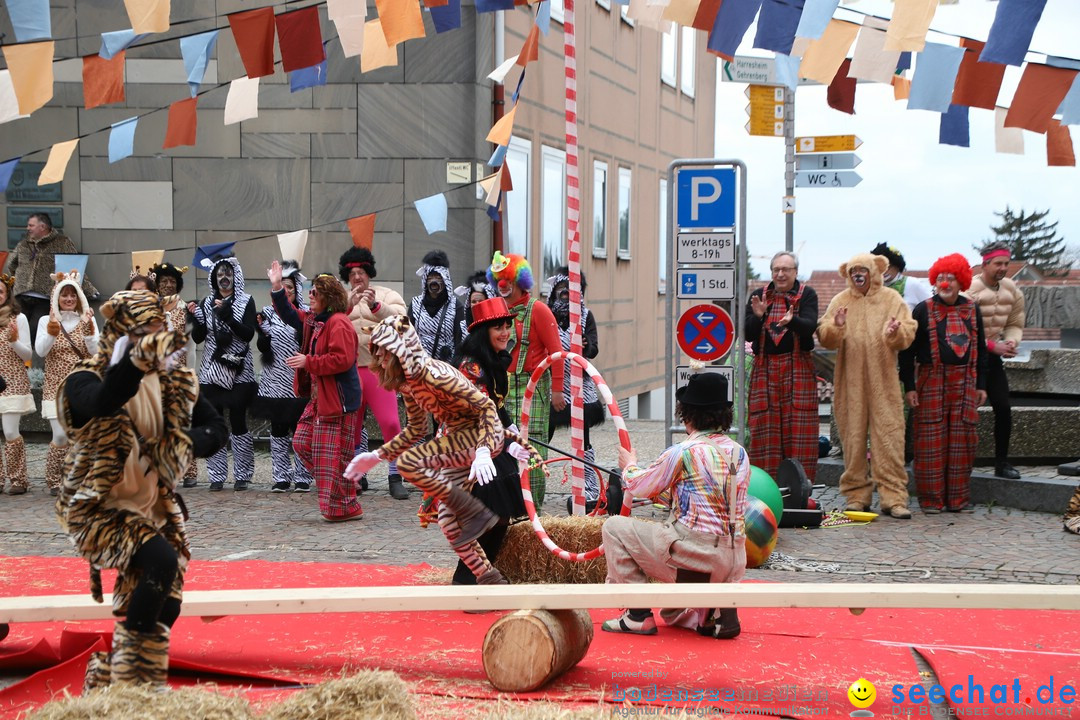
pixel 282 429
pixel 491 542
pixel 997 393
pixel 150 603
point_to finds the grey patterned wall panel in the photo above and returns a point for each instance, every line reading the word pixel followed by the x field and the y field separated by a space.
pixel 382 170
pixel 331 202
pixel 275 145
pixel 134 168
pixel 251 195
pixel 412 121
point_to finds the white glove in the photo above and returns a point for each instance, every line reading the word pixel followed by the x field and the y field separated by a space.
pixel 513 429
pixel 360 465
pixel 518 452
pixel 482 468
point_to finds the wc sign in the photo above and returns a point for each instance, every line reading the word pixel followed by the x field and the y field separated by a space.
pixel 706 198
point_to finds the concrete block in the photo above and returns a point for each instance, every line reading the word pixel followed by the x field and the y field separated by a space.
pixel 457 242
pixel 275 145
pixel 47 126
pixel 127 205
pixel 332 202
pixel 333 145
pixel 412 122
pixel 242 194
pixel 334 95
pixel 333 120
pixel 138 70
pixel 443 58
pixel 1047 371
pixel 357 171
pixel 1039 434
pixel 274 96
pixel 132 168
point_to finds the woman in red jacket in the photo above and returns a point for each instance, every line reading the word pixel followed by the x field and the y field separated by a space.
pixel 326 372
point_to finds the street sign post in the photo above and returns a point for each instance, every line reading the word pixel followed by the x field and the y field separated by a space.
pixel 766 110
pixel 705 283
pixel 706 198
pixel 683 373
pixel 827 143
pixel 827 179
pixel 706 332
pixel 698 247
pixel 743 68
pixel 827 161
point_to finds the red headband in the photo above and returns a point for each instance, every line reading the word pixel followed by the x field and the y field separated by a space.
pixel 1001 252
pixel 358 265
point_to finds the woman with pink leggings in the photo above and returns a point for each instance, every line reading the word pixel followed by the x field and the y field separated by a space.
pixel 368 305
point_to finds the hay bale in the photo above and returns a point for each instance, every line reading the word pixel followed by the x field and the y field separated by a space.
pixel 506 710
pixel 524 559
pixel 139 702
pixel 367 695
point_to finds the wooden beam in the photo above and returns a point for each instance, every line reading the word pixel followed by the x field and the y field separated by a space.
pixel 288 601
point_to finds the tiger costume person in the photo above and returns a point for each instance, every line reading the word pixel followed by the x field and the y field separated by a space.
pixel 135 422
pixel 446 466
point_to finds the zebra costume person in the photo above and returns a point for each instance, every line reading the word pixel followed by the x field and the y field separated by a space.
pixel 435 313
pixel 225 321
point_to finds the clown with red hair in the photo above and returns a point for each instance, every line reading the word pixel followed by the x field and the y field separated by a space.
pixel 944 376
pixel 536 336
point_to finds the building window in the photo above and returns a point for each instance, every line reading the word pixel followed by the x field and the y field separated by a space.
pixel 624 12
pixel 552 211
pixel 558 10
pixel 624 213
pixel 599 210
pixel 689 48
pixel 516 205
pixel 661 257
pixel 668 53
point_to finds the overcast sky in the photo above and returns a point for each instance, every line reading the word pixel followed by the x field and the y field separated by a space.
pixel 926 199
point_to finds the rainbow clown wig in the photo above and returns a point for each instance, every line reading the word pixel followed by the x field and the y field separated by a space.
pixel 955 264
pixel 508 270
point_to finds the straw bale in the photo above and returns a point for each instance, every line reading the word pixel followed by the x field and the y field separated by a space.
pixel 524 559
pixel 506 710
pixel 140 702
pixel 367 695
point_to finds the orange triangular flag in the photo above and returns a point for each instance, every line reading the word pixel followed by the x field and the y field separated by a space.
pixel 253 32
pixel 56 165
pixel 376 53
pixel 401 20
pixel 183 122
pixel 705 17
pixel 1059 146
pixel 436 3
pixel 148 16
pixel 362 230
pixel 901 87
pixel 1038 96
pixel 31 66
pixel 103 80
pixel 530 51
pixel 505 183
pixel 500 131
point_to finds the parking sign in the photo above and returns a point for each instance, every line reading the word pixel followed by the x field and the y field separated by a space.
pixel 706 198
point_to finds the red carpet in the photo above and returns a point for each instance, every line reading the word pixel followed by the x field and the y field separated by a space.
pixel 797 663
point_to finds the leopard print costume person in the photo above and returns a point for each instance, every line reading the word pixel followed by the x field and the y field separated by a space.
pixel 1072 513
pixel 440 467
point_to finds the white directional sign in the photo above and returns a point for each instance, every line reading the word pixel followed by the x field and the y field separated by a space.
pixel 760 71
pixel 705 247
pixel 705 283
pixel 683 372
pixel 827 178
pixel 827 161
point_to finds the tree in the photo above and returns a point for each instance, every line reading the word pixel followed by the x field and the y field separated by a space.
pixel 1030 238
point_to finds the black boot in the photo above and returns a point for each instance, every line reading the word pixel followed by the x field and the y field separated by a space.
pixel 473 517
pixel 398 491
pixel 722 624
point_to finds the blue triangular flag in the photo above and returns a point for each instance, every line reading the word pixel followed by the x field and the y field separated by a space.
pixel 67 263
pixel 815 18
pixel 114 42
pixel 543 17
pixel 776 25
pixel 493 210
pixel 954 128
pixel 196 50
pixel 122 139
pixel 935 76
pixel 1010 35
pixel 307 77
pixel 904 61
pixel 6 168
pixel 447 17
pixel 787 70
pixel 207 255
pixel 1070 106
pixel 432 212
pixel 497 157
pixel 732 21
pixel 483 6
pixel 31 20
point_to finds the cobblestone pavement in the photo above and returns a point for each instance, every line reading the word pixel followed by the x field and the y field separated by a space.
pixel 995 544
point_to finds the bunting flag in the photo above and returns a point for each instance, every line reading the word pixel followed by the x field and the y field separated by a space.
pixel 299 38
pixel 683 12
pixel 499 73
pixel 646 15
pixel 787 71
pixel 117 41
pixel 1010 35
pixel 486 6
pixel 362 230
pixel 777 22
pixel 901 87
pixel 292 245
pixel 909 24
pixel 1070 106
pixel 432 212
pixel 9 103
pixel 824 55
pixel 871 61
pixel 954 128
pixel 530 51
pixel 103 80
pixel 841 91
pixel 148 16
pixel 242 102
pixel 447 17
pixel 815 18
pixel 342 9
pixel 196 51
pixel 1038 96
pixel 1059 146
pixel 401 20
pixel 31 67
pixel 503 127
pixel 183 123
pixel 122 139
pixel 977 83
pixel 253 31
pixel 705 17
pixel 935 75
pixel 207 255
pixel 1006 139
pixel 377 53
pixel 65 263
pixel 143 260
pixel 303 78
pixel 543 18
pixel 436 3
pixel 6 169
pixel 56 165
pixel 30 19
pixel 498 157
pixel 732 22
pixel 348 17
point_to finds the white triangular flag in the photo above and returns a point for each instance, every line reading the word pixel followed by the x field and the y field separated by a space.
pixel 242 102
pixel 293 245
pixel 499 73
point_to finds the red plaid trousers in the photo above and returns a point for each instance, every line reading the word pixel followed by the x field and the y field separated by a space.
pixel 325 446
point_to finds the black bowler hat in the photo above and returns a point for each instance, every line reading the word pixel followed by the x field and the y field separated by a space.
pixel 705 389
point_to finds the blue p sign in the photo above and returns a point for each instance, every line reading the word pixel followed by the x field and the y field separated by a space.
pixel 706 198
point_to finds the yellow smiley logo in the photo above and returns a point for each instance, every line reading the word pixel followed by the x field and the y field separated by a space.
pixel 862 693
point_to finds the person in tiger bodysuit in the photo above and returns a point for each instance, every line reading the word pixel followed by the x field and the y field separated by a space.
pixel 15 398
pixel 446 466
pixel 65 336
pixel 135 421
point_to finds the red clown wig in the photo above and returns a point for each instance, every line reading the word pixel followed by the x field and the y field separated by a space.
pixel 955 264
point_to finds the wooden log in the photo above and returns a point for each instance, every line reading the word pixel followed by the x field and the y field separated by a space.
pixel 527 649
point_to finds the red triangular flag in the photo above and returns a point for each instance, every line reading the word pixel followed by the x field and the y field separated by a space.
pixel 253 32
pixel 1038 96
pixel 300 39
pixel 505 183
pixel 362 230
pixel 705 17
pixel 103 80
pixel 530 51
pixel 977 83
pixel 841 92
pixel 183 122
pixel 1059 146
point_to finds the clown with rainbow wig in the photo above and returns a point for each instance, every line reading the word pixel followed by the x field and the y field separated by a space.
pixel 536 336
pixel 944 376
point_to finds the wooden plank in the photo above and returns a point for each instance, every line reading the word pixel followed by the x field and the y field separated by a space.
pixel 215 603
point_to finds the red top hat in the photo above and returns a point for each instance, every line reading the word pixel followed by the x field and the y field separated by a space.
pixel 489 310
